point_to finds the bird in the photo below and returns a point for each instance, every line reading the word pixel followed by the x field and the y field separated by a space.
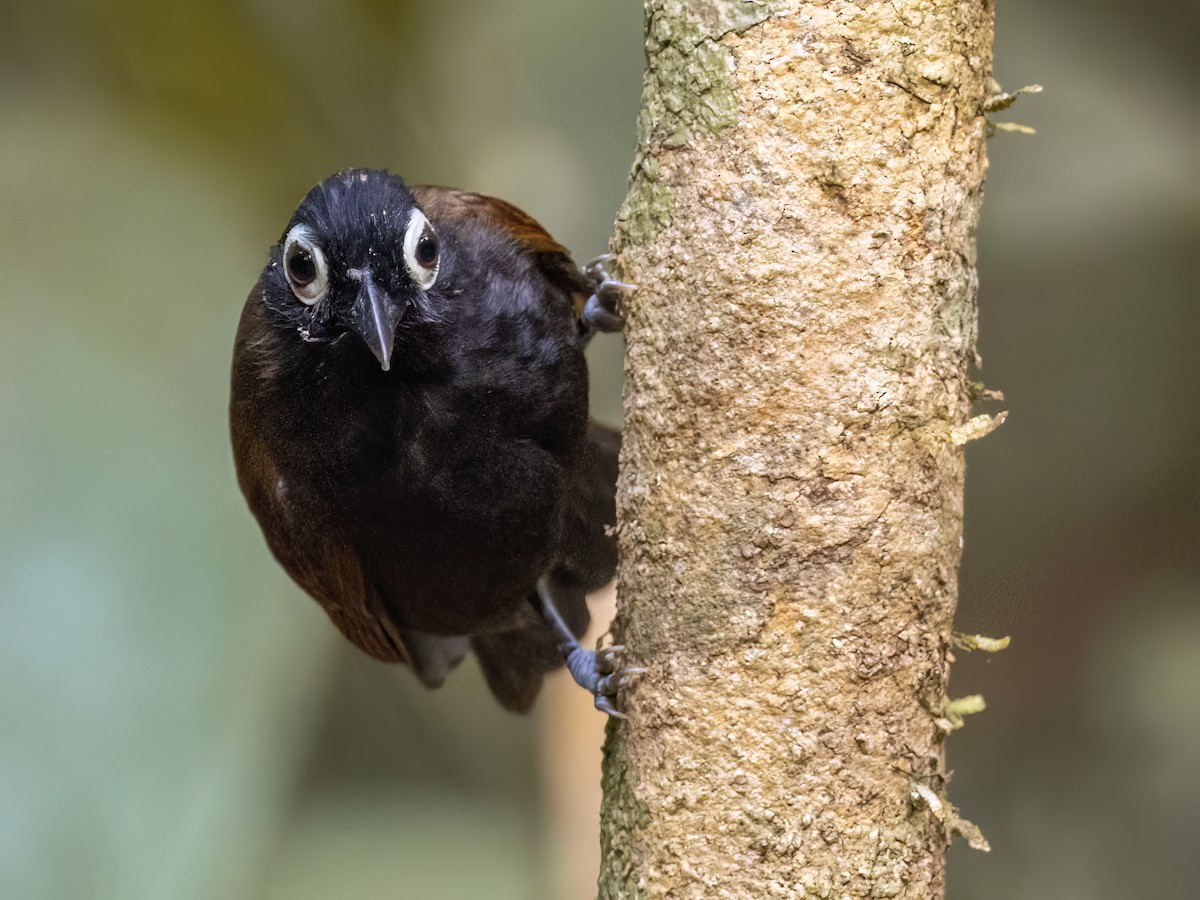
pixel 410 428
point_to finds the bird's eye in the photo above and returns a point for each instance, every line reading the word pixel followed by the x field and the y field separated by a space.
pixel 301 268
pixel 421 250
pixel 427 249
pixel 305 267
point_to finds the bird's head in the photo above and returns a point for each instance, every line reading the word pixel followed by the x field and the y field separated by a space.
pixel 358 256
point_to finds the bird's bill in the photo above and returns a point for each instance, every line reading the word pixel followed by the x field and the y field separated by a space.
pixel 374 318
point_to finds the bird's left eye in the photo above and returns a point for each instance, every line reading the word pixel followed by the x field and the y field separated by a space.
pixel 421 251
pixel 304 265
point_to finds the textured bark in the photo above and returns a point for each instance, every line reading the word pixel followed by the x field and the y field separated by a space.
pixel 801 226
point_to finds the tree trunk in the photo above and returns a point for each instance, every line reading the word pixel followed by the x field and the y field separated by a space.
pixel 800 225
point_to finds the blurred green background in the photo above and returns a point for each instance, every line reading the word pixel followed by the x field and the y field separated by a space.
pixel 177 721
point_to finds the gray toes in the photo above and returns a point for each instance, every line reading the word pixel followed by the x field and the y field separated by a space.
pixel 602 312
pixel 598 269
pixel 605 705
pixel 598 673
pixel 597 318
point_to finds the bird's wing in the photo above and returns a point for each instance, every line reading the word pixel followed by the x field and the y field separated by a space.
pixel 515 661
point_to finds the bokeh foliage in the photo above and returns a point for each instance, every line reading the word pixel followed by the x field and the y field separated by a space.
pixel 176 720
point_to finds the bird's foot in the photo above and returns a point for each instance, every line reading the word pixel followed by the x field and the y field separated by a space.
pixel 596 671
pixel 602 312
pixel 599 269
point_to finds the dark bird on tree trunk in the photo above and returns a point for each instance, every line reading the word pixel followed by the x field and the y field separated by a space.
pixel 410 428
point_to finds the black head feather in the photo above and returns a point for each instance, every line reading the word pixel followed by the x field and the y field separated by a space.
pixel 357 226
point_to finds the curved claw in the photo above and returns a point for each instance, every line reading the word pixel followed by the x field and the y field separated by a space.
pixel 602 312
pixel 604 704
pixel 596 317
pixel 597 673
pixel 594 671
pixel 597 270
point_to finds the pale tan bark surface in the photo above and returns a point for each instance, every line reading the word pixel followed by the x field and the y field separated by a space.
pixel 801 228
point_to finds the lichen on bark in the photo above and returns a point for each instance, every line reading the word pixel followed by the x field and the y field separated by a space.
pixel 800 224
pixel 688 91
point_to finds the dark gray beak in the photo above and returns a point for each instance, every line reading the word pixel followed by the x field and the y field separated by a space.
pixel 374 317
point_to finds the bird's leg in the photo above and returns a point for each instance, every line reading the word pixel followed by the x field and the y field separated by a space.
pixel 602 312
pixel 595 672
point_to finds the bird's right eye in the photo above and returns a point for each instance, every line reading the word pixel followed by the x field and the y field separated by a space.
pixel 304 265
pixel 301 268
